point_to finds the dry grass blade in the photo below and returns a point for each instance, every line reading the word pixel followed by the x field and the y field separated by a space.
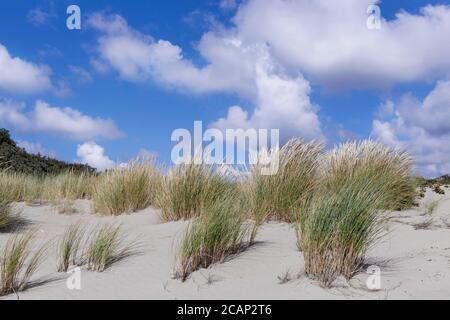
pixel 278 196
pixel 6 216
pixel 127 189
pixel 18 263
pixel 346 215
pixel 107 246
pixel 220 232
pixel 188 188
pixel 69 247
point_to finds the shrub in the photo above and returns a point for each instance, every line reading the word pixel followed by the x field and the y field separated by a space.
pixel 18 264
pixel 127 189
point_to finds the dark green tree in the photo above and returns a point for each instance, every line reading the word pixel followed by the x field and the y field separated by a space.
pixel 17 159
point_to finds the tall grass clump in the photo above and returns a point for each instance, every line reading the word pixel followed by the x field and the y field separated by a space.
pixel 127 189
pixel 106 246
pixel 188 188
pixel 6 215
pixel 279 195
pixel 346 215
pixel 69 247
pixel 68 185
pixel 18 263
pixel 390 168
pixel 18 187
pixel 222 230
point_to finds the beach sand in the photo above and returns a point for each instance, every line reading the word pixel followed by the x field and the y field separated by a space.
pixel 414 262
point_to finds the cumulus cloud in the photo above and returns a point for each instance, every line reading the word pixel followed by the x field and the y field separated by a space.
pixel 331 44
pixel 139 57
pixel 55 120
pixel 275 49
pixel 20 76
pixel 281 100
pixel 281 103
pixel 422 127
pixel 94 155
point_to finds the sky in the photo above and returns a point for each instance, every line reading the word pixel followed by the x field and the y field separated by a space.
pixel 138 70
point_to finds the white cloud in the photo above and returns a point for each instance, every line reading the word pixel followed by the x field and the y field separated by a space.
pixel 94 155
pixel 62 121
pixel 82 75
pixel 422 127
pixel 281 103
pixel 281 100
pixel 331 44
pixel 36 148
pixel 139 57
pixel 228 4
pixel 39 16
pixel 20 76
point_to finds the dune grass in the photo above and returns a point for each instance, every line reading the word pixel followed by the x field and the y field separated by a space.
pixel 346 215
pixel 127 189
pixel 391 169
pixel 279 196
pixel 106 246
pixel 69 246
pixel 6 215
pixel 68 186
pixel 188 188
pixel 431 206
pixel 19 187
pixel 18 264
pixel 222 230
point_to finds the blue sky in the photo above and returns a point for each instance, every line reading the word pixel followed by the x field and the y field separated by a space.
pixel 129 104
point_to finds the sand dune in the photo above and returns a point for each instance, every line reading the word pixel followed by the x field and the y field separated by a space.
pixel 414 259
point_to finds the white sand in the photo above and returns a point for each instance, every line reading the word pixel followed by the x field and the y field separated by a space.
pixel 414 264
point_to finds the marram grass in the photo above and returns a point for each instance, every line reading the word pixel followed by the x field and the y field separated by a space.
pixel 19 187
pixel 278 196
pixel 188 188
pixel 5 214
pixel 69 247
pixel 346 215
pixel 106 246
pixel 18 264
pixel 127 189
pixel 222 230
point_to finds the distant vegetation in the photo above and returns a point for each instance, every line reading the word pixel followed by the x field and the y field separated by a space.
pixel 16 159
pixel 436 184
